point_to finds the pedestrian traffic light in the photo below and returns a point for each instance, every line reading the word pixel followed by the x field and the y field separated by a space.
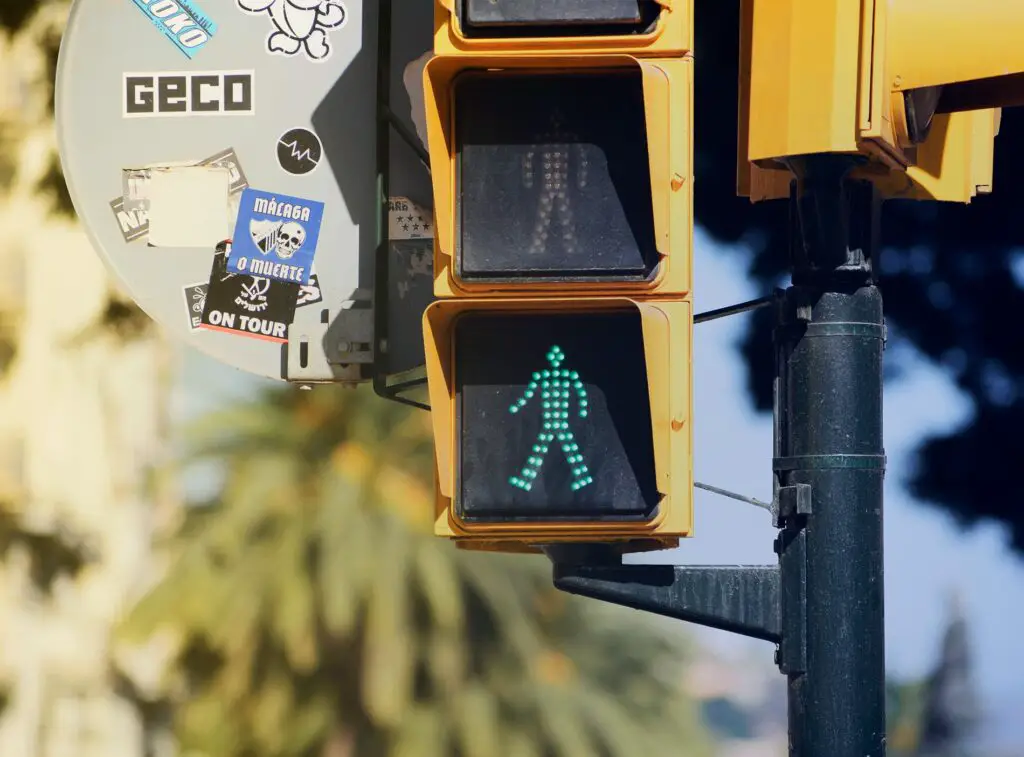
pixel 560 168
pixel 561 419
pixel 914 85
pixel 558 351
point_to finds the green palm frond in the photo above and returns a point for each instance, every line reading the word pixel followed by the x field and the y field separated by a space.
pixel 314 604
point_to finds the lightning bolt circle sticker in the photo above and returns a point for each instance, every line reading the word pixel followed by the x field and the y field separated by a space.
pixel 299 151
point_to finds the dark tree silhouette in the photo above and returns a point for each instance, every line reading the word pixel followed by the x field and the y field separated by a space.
pixel 951 709
pixel 947 275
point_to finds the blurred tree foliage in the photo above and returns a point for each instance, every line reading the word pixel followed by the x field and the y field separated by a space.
pixel 938 716
pixel 316 614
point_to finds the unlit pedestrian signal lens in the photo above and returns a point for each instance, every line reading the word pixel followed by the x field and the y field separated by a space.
pixel 547 186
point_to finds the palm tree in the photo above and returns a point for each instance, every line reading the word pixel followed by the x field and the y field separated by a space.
pixel 316 614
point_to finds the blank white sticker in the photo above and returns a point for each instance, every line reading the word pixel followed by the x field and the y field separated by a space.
pixel 189 206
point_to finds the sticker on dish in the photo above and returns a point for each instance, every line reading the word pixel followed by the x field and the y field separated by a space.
pixel 275 236
pixel 195 303
pixel 181 21
pixel 251 306
pixel 131 210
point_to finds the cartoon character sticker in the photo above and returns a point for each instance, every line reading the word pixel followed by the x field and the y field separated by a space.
pixel 299 25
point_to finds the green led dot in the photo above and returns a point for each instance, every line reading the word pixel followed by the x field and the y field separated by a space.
pixel 535 377
pixel 573 375
pixel 545 374
pixel 590 480
pixel 546 405
pixel 583 413
pixel 577 384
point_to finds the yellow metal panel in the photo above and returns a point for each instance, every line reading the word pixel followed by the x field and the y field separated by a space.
pixel 804 78
pixel 953 165
pixel 935 42
pixel 668 95
pixel 668 327
pixel 673 35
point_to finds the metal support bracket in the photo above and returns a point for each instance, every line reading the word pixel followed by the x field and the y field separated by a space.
pixel 331 344
pixel 739 599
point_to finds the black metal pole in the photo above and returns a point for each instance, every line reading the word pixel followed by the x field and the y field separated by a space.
pixel 829 467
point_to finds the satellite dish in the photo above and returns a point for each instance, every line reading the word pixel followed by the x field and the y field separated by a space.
pixel 183 124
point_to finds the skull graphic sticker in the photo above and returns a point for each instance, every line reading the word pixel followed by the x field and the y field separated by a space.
pixel 276 236
pixel 299 25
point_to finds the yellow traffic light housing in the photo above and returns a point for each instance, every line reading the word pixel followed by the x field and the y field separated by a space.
pixel 914 85
pixel 647 27
pixel 629 175
pixel 558 352
pixel 584 402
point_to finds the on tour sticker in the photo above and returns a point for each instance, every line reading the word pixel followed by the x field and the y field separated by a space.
pixel 275 236
pixel 250 306
pixel 181 21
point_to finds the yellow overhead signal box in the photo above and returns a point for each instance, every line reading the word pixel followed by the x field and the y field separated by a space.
pixel 913 85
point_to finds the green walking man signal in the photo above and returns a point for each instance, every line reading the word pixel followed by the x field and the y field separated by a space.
pixel 555 386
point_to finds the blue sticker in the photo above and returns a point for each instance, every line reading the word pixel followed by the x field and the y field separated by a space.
pixel 275 236
pixel 182 23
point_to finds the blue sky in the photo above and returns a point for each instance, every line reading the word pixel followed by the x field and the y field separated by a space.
pixel 927 556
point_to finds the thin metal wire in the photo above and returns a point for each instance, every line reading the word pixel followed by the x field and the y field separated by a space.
pixel 407 136
pixel 732 495
pixel 738 309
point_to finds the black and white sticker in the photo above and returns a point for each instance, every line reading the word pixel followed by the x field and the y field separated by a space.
pixel 299 151
pixel 195 303
pixel 132 208
pixel 310 294
pixel 250 306
pixel 188 93
pixel 299 26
